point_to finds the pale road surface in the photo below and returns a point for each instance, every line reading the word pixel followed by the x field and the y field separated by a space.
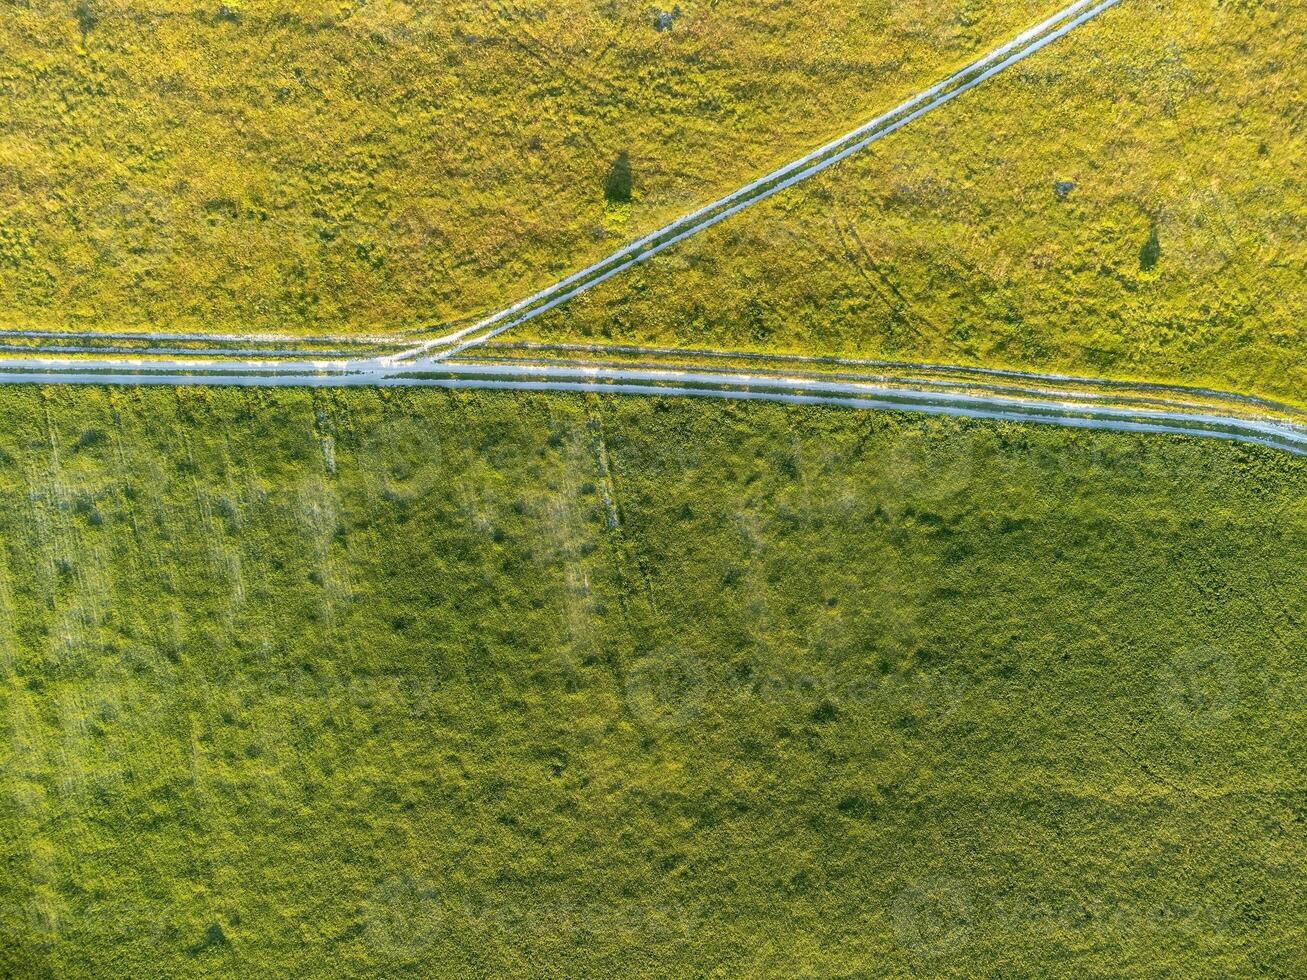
pixel 1188 412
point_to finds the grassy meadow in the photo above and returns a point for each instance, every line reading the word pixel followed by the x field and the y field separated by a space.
pixel 422 684
pixel 311 166
pixel 1126 203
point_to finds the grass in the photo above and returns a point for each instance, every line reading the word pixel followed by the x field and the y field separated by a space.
pixel 415 683
pixel 318 167
pixel 1122 204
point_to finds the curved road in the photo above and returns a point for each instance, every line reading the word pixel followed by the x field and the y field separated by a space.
pixel 1128 410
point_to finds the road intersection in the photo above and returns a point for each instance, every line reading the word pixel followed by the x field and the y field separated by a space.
pixel 469 357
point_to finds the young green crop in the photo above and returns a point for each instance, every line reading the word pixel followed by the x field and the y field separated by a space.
pixel 369 683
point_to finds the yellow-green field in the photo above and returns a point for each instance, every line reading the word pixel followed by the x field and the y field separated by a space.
pixel 311 166
pixel 1177 255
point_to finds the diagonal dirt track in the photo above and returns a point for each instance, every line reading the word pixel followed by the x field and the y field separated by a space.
pixel 975 74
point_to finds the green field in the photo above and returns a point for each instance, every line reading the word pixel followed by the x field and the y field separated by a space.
pixel 407 682
pixel 1173 250
pixel 374 684
pixel 311 166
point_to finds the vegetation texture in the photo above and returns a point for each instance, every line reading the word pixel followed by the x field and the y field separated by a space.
pixel 1128 203
pixel 426 684
pixel 308 166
